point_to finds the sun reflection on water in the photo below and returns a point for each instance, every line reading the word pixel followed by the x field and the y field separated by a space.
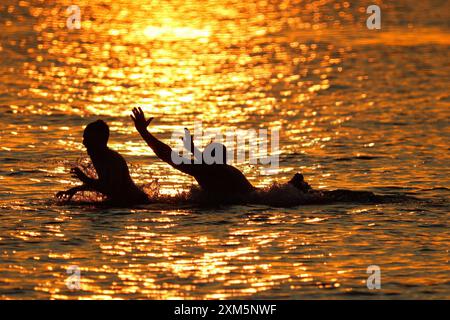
pixel 294 65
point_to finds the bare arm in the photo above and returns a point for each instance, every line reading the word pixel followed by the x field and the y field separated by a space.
pixel 68 194
pixel 89 184
pixel 162 150
pixel 188 142
pixel 98 185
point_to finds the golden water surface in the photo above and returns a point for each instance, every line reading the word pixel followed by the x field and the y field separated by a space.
pixel 356 108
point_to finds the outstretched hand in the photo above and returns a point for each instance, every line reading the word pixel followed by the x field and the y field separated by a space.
pixel 65 195
pixel 77 173
pixel 188 141
pixel 139 120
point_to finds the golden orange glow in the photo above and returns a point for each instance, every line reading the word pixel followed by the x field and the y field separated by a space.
pixel 177 33
pixel 336 91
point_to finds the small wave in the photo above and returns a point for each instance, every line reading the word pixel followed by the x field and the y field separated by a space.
pixel 358 158
pixel 25 172
pixel 436 189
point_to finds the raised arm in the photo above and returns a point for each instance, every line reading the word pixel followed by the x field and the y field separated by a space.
pixel 162 150
pixel 188 142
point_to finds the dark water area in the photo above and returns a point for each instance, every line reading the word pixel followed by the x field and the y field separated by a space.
pixel 357 109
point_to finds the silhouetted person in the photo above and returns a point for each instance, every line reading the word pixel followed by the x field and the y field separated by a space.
pixel 330 196
pixel 216 178
pixel 114 179
pixel 299 182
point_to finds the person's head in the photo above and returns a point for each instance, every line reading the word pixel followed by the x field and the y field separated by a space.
pixel 299 182
pixel 215 153
pixel 96 135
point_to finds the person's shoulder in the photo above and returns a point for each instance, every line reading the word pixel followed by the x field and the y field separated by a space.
pixel 239 178
pixel 115 156
pixel 232 169
pixel 113 153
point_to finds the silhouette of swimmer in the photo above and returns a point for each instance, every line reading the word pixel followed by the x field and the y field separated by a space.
pixel 225 180
pixel 299 182
pixel 114 179
pixel 217 178
pixel 338 195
